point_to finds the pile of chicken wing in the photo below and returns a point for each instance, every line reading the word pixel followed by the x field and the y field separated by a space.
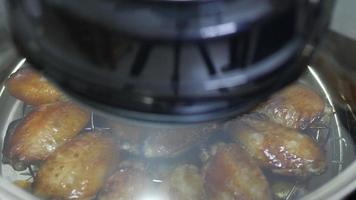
pixel 218 160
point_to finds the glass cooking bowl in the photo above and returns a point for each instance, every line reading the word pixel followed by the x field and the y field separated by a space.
pixel 334 134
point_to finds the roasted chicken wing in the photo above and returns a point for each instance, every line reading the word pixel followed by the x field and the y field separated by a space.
pixel 32 88
pixel 170 142
pixel 78 169
pixel 42 131
pixel 135 182
pixel 154 141
pixel 128 183
pixel 296 107
pixel 232 174
pixel 284 150
pixel 184 183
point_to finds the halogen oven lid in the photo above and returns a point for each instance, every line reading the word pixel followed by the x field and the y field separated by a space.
pixel 168 61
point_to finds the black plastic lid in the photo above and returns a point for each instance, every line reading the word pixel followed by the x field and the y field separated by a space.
pixel 167 61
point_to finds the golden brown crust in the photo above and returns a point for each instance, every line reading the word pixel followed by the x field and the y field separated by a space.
pixel 43 130
pixel 32 88
pixel 232 174
pixel 296 107
pixel 78 169
pixel 284 150
pixel 170 142
pixel 184 183
pixel 126 183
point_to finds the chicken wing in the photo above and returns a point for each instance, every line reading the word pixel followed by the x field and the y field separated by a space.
pixel 184 183
pixel 78 169
pixel 284 150
pixel 42 131
pixel 170 142
pixel 296 107
pixel 128 183
pixel 231 174
pixel 32 88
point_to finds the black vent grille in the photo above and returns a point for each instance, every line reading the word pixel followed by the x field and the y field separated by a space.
pixel 137 59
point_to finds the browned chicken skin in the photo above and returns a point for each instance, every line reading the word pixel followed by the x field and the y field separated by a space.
pixel 170 142
pixel 184 183
pixel 127 183
pixel 134 182
pixel 159 142
pixel 32 88
pixel 296 107
pixel 230 174
pixel 284 150
pixel 78 169
pixel 43 130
